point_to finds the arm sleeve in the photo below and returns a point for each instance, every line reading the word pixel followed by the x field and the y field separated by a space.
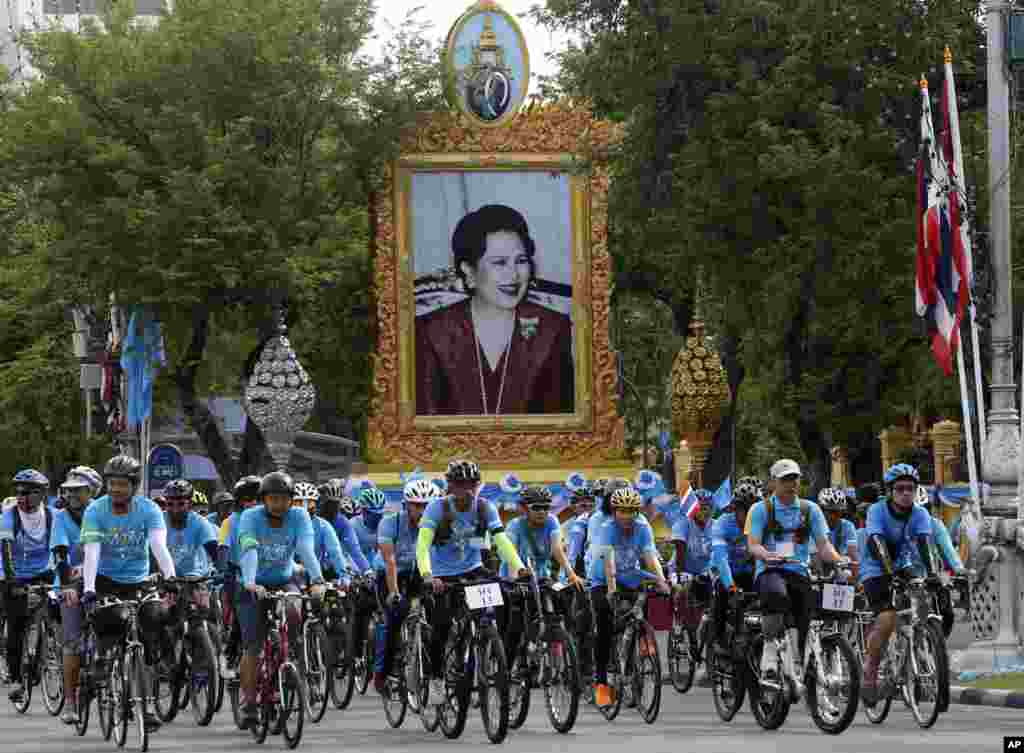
pixel 949 554
pixel 306 550
pixel 333 547
pixel 720 555
pixel 423 541
pixel 507 551
pixel 90 565
pixel 250 564
pixel 575 548
pixel 350 543
pixel 158 546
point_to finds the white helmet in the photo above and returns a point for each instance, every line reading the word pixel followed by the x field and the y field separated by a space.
pixel 921 497
pixel 305 491
pixel 420 491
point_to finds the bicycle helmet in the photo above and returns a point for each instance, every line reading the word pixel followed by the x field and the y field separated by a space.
pixel 746 493
pixel 200 501
pixel 583 493
pixel 627 498
pixel 305 491
pixel 922 498
pixel 222 500
pixel 123 466
pixel 756 482
pixel 868 494
pixel 703 496
pixel 420 492
pixel 462 470
pixel 347 507
pixel 277 482
pixel 31 477
pixel 537 495
pixel 576 481
pixel 333 489
pixel 901 470
pixel 600 487
pixel 831 499
pixel 372 500
pixel 247 487
pixel 179 488
pixel 76 481
pixel 92 477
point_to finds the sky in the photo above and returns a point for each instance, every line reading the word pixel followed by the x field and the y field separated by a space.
pixel 443 13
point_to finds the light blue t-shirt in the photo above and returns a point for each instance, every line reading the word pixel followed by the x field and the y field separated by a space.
pixel 31 554
pixel 943 553
pixel 533 543
pixel 789 517
pixel 67 533
pixel 275 547
pixel 729 551
pixel 629 550
pixel 898 534
pixel 598 519
pixel 671 510
pixel 862 538
pixel 698 544
pixel 328 548
pixel 123 539
pixel 394 529
pixel 350 543
pixel 842 536
pixel 461 553
pixel 366 536
pixel 186 545
pixel 577 541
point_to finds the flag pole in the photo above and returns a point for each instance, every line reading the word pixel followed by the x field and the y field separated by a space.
pixel 979 386
pixel 965 404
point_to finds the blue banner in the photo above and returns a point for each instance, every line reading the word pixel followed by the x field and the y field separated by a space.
pixel 166 463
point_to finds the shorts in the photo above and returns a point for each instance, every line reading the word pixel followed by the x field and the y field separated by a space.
pixel 252 618
pixel 878 591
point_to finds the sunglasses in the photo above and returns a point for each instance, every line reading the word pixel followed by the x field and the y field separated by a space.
pixel 538 508
pixel 176 501
pixel 631 511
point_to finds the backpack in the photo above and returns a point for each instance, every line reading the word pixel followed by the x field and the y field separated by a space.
pixel 800 534
pixel 443 534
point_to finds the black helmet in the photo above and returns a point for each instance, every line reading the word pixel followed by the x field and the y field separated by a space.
pixel 868 493
pixel 122 466
pixel 247 487
pixel 179 488
pixel 600 487
pixel 583 492
pixel 746 494
pixel 277 482
pixel 223 499
pixel 536 495
pixel 462 470
pixel 333 489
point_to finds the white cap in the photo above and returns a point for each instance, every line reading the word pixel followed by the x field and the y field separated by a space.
pixel 785 467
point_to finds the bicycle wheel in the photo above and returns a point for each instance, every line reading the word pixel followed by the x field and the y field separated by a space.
pixel 452 713
pixel 216 632
pixel 104 710
pixel 53 669
pixel 204 679
pixel 28 671
pixel 292 708
pixel 343 677
pixel 416 676
pixel 833 706
pixel 923 671
pixel 615 681
pixel 367 655
pixel 234 695
pixel 942 669
pixel 681 666
pixel 646 673
pixel 770 706
pixel 119 698
pixel 493 687
pixel 167 690
pixel 560 678
pixel 262 727
pixel 316 673
pixel 137 667
pixel 519 690
pixel 84 702
pixel 728 683
pixel 396 702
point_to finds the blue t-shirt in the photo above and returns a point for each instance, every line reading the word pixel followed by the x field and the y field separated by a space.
pixel 31 554
pixel 898 534
pixel 350 542
pixel 532 543
pixel 186 545
pixel 598 519
pixel 698 544
pixel 67 533
pixel 943 553
pixel 729 551
pixel 862 538
pixel 576 540
pixel 842 536
pixel 790 518
pixel 123 539
pixel 394 529
pixel 327 547
pixel 629 550
pixel 461 553
pixel 275 547
pixel 366 536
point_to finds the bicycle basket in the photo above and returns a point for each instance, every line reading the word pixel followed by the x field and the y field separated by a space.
pixel 659 611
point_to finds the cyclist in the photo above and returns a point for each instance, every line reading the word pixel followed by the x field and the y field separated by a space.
pixel 781 529
pixel 624 542
pixel 335 507
pixel 223 505
pixel 81 486
pixel 25 543
pixel 943 553
pixel 448 546
pixel 191 538
pixel 691 539
pixel 372 502
pixel 119 531
pixel 348 507
pixel 894 526
pixel 325 540
pixel 582 502
pixel 246 494
pixel 397 578
pixel 269 538
pixel 842 533
pixel 730 556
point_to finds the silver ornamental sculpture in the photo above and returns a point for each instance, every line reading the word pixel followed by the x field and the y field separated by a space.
pixel 280 395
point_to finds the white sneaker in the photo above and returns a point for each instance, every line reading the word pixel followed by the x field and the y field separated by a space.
pixel 437 695
pixel 226 671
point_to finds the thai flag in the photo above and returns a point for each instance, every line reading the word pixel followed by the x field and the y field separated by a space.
pixel 942 269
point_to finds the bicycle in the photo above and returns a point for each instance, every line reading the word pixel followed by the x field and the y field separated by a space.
pixel 362 630
pixel 474 659
pixel 336 617
pixel 194 679
pixel 313 644
pixel 688 636
pixel 41 658
pixel 915 664
pixel 280 691
pixel 408 686
pixel 546 658
pixel 635 661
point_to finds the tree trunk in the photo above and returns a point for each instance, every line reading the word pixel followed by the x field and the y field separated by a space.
pixel 719 464
pixel 197 411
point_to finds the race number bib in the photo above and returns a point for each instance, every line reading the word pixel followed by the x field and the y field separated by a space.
pixel 484 596
pixel 837 598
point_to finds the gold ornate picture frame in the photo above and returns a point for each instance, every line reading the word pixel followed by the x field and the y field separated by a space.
pixel 562 138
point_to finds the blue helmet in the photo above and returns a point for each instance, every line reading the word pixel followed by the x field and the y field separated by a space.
pixel 702 494
pixel 31 477
pixel 901 470
pixel 372 500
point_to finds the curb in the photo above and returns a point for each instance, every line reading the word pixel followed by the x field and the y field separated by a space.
pixel 1007 699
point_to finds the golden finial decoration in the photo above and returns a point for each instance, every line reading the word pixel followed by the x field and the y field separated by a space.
pixel 948 55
